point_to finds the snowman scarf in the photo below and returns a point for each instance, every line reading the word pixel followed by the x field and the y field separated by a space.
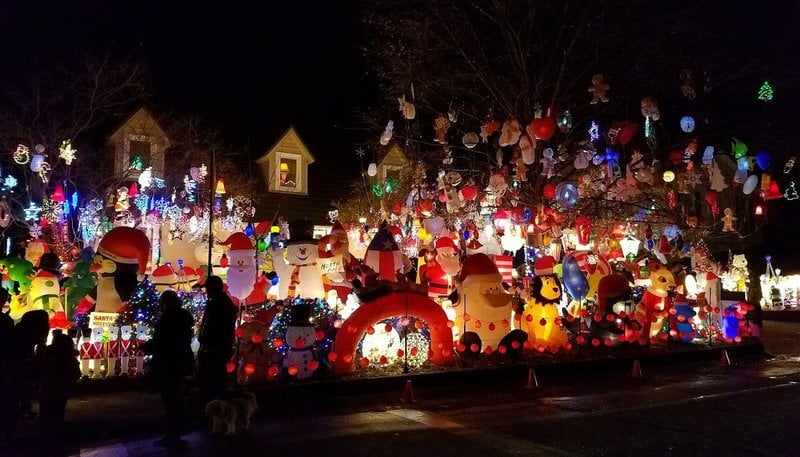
pixel 294 280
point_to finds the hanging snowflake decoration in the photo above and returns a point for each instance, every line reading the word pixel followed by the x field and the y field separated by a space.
pixel 66 152
pixel 190 187
pixel 9 182
pixel 159 183
pixel 35 230
pixel 594 131
pixel 229 204
pixel 203 173
pixel 174 212
pixel 141 201
pixel 52 211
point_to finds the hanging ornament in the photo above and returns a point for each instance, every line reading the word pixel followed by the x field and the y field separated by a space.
pixel 594 131
pixel 668 176
pixel 599 89
pixel 759 210
pixel 440 126
pixel 763 160
pixel 32 212
pixel 687 89
pixel 790 193
pixel 649 109
pixel 220 190
pixel 708 155
pixel 372 169
pixel 687 124
pixel 58 194
pixel 36 163
pixel 146 178
pixel 408 109
pixel 387 133
pixel 765 92
pixel 22 155
pixel 789 165
pixel 488 129
pixel 565 121
pixel 773 192
pixel 66 152
pixel 470 140
pixel 739 149
pixel 9 182
pixel 750 184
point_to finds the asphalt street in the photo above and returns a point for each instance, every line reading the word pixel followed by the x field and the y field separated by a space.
pixel 749 408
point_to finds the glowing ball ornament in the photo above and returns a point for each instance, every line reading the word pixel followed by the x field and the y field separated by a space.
pixel 668 176
pixel 381 345
pixel 687 124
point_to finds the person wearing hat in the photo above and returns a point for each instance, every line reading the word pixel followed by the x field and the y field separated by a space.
pixel 216 337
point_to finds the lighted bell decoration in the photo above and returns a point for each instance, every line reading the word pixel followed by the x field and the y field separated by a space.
pixel 759 211
pixel 58 194
pixel 133 191
pixel 372 169
pixel 220 187
pixel 630 247
pixel 223 261
pixel 773 192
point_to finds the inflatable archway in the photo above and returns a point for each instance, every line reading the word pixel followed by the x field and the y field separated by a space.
pixel 385 307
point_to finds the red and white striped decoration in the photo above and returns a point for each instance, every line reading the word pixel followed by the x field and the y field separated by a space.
pixel 504 263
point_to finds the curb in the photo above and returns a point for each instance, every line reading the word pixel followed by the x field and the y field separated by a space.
pixel 780 315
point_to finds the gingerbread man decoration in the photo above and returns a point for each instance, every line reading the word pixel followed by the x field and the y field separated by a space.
pixel 727 221
pixel 599 89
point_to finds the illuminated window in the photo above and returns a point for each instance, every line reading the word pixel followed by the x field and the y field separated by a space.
pixel 287 176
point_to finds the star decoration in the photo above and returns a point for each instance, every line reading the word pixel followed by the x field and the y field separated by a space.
pixel 66 152
pixel 360 152
pixel 32 212
pixel 388 245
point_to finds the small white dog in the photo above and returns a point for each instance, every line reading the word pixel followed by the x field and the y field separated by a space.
pixel 233 415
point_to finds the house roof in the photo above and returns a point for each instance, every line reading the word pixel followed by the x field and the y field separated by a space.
pixel 330 177
pixel 153 126
pixel 290 135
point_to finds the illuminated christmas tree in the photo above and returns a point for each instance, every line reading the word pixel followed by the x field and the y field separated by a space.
pixel 765 92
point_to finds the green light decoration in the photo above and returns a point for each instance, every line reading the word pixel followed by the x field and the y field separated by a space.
pixel 739 148
pixel 262 245
pixel 377 189
pixel 137 163
pixel 765 92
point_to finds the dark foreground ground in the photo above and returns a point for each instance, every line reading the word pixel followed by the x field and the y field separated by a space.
pixel 687 405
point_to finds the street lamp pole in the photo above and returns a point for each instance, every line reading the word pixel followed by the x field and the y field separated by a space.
pixel 212 195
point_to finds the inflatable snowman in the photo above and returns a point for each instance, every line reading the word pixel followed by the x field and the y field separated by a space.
pixel 297 266
pixel 300 339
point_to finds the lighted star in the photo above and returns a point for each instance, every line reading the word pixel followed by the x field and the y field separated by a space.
pixel 32 212
pixel 360 152
pixel 66 152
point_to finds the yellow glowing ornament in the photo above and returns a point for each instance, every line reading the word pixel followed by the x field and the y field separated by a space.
pixel 66 152
pixel 220 187
pixel 669 176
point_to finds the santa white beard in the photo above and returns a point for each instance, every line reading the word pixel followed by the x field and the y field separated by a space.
pixel 241 281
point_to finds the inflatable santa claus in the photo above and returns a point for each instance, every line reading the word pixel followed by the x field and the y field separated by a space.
pixel 242 268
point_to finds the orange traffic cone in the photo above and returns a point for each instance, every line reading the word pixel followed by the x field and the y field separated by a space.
pixel 724 359
pixel 636 371
pixel 533 381
pixel 408 393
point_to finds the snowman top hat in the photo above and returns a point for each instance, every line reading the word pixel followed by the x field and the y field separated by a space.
pixel 301 231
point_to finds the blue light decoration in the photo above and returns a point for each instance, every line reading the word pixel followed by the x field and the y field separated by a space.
pixel 730 324
pixel 141 201
pixel 248 230
pixel 594 131
pixel 74 200
pixel 9 183
pixel 574 280
pixel 763 159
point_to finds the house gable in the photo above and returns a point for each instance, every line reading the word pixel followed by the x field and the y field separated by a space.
pixel 284 166
pixel 140 135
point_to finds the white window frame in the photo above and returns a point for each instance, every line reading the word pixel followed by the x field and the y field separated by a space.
pixel 300 181
pixel 126 152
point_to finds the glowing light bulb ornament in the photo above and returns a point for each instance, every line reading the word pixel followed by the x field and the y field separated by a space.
pixel 22 155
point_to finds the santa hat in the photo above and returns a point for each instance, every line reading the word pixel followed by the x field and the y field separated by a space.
pixel 45 274
pixel 479 266
pixel 239 242
pixel 544 266
pixel 126 245
pixel 446 242
pixel 337 228
pixel 164 275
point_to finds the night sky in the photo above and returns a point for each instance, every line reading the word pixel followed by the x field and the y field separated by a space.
pixel 253 69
